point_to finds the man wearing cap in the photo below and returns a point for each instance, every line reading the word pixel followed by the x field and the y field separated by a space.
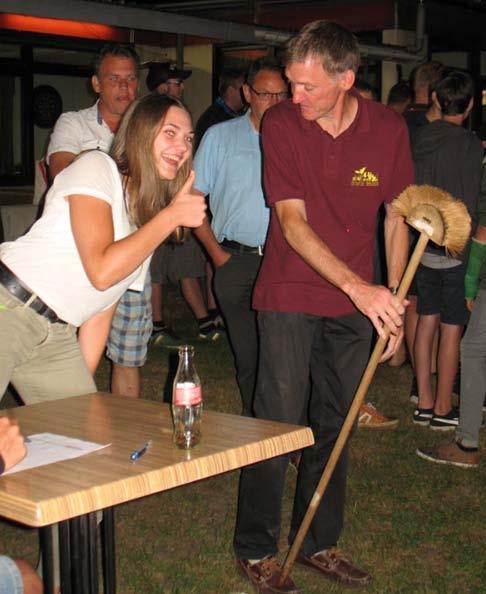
pixel 115 80
pixel 166 78
pixel 179 263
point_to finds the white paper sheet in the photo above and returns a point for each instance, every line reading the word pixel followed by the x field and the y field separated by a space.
pixel 46 448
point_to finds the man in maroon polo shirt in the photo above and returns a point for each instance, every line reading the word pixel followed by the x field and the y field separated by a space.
pixel 330 160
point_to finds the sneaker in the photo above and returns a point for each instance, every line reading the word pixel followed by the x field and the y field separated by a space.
pixel 217 319
pixel 423 416
pixel 264 576
pixel 445 422
pixel 370 418
pixel 164 336
pixel 208 329
pixel 414 391
pixel 451 452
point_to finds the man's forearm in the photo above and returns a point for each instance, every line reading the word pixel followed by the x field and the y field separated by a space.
pixel 206 236
pixel 312 249
pixel 375 302
pixel 396 246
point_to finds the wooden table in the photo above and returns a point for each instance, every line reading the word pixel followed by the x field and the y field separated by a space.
pixel 76 488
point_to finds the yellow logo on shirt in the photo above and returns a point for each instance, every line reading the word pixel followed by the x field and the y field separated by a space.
pixel 364 177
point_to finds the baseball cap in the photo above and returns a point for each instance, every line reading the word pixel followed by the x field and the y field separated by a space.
pixel 160 72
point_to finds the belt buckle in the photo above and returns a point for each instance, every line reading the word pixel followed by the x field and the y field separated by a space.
pixel 260 250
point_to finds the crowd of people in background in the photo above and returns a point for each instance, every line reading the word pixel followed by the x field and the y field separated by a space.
pixel 297 279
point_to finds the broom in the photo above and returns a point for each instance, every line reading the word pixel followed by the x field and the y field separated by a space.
pixel 440 218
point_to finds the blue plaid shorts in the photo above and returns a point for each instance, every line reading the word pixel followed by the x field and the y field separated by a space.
pixel 131 328
pixel 10 578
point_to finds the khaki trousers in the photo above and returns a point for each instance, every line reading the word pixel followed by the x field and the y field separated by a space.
pixel 42 360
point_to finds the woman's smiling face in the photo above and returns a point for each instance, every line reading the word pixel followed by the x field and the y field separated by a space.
pixel 173 143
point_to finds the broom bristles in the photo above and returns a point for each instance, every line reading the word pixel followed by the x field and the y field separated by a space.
pixel 456 219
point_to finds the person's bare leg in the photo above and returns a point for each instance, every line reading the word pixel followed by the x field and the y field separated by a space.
pixel 157 302
pixel 447 363
pixel 30 578
pixel 411 319
pixel 424 336
pixel 211 302
pixel 435 349
pixel 399 357
pixel 191 290
pixel 125 381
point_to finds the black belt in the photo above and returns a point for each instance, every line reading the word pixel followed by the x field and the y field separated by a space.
pixel 15 286
pixel 241 248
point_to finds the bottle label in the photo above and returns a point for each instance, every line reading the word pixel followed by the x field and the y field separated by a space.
pixel 187 395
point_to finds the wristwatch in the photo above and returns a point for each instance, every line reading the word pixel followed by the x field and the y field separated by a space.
pixel 393 290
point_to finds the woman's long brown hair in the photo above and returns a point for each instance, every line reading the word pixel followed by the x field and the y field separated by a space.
pixel 132 151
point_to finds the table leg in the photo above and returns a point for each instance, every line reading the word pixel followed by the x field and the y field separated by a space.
pixel 109 561
pixel 45 540
pixel 84 555
pixel 93 552
pixel 65 557
pixel 76 555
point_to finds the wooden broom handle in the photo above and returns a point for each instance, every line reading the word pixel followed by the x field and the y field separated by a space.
pixel 352 414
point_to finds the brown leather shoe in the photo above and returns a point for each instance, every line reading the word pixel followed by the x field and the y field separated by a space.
pixel 332 564
pixel 264 575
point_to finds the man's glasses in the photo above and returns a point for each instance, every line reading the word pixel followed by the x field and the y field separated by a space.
pixel 268 96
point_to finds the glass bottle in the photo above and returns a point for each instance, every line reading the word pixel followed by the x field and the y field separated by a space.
pixel 186 401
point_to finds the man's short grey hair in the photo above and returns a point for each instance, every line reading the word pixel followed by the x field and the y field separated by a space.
pixel 330 43
pixel 265 63
pixel 118 50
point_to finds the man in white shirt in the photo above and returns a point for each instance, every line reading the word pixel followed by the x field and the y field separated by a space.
pixel 116 82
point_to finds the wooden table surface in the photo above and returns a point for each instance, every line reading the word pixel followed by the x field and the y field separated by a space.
pixel 67 489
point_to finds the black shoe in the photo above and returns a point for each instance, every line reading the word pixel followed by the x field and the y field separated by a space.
pixel 422 416
pixel 208 329
pixel 445 422
pixel 164 336
pixel 216 318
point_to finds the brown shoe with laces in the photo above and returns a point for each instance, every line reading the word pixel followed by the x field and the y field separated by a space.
pixel 264 576
pixel 332 564
pixel 370 418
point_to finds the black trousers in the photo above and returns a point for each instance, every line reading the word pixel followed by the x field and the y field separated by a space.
pixel 295 349
pixel 233 285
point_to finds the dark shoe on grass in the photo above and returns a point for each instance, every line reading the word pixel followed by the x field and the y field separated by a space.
pixel 208 329
pixel 450 452
pixel 422 416
pixel 332 564
pixel 164 335
pixel 445 422
pixel 264 576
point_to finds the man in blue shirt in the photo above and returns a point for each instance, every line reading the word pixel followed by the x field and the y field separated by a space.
pixel 228 168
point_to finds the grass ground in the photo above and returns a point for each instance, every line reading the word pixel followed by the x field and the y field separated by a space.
pixel 419 527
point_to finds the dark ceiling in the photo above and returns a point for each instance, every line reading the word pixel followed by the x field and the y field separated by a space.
pixel 450 24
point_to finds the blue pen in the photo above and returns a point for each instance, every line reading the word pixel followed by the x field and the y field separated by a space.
pixel 136 454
